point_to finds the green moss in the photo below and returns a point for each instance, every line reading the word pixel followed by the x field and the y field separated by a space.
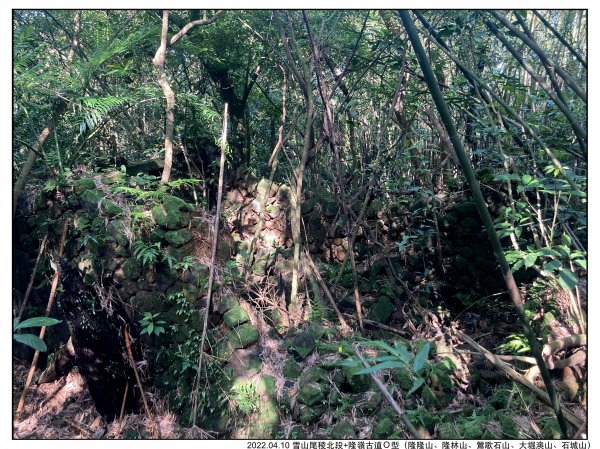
pixel 440 379
pixel 383 429
pixel 311 394
pixel 500 399
pixel 111 208
pixel 235 317
pixel 357 382
pixel 178 238
pixel 308 414
pixel 510 429
pixel 403 377
pixel 312 374
pixel 131 269
pixel 116 229
pixel 422 417
pixel 81 185
pixel 343 430
pixel 243 336
pixel 551 430
pixel 90 199
pixel 227 302
pixel 447 431
pixel 429 398
pixel 305 342
pixel 148 302
pixel 369 401
pixel 172 214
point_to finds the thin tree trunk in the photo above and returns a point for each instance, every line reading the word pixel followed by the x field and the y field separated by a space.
pixel 159 63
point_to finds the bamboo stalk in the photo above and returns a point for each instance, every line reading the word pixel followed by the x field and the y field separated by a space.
pixel 213 258
pixel 53 288
pixel 511 285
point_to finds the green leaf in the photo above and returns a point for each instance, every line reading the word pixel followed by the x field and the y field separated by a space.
pixel 384 346
pixel 552 266
pixel 526 179
pixel 567 279
pixel 421 357
pixel 37 322
pixel 416 385
pixel 530 259
pixel 33 341
pixel 384 365
pixel 150 327
pixel 581 262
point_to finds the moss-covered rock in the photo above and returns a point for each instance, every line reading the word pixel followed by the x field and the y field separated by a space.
pixel 291 369
pixel 116 229
pixel 179 237
pixel 111 208
pixel 551 430
pixel 383 429
pixel 284 193
pixel 145 301
pixel 343 430
pixel 173 213
pixel 429 398
pixel 358 383
pixel 90 199
pixel 83 184
pixel 422 418
pixel 227 302
pixel 370 401
pixel 381 311
pixel 309 414
pixel 312 374
pixel 500 399
pixel 447 431
pixel 311 394
pixel 510 429
pixel 131 269
pixel 305 341
pixel 243 336
pixel 403 377
pixel 235 317
pixel 440 379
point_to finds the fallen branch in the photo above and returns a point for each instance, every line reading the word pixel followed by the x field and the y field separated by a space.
pixel 564 343
pixel 389 397
pixel 123 403
pixel 139 384
pixel 53 288
pixel 33 273
pixel 384 327
pixel 78 427
pixel 311 264
pixel 508 370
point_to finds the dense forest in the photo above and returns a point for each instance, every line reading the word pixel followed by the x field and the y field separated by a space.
pixel 297 224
